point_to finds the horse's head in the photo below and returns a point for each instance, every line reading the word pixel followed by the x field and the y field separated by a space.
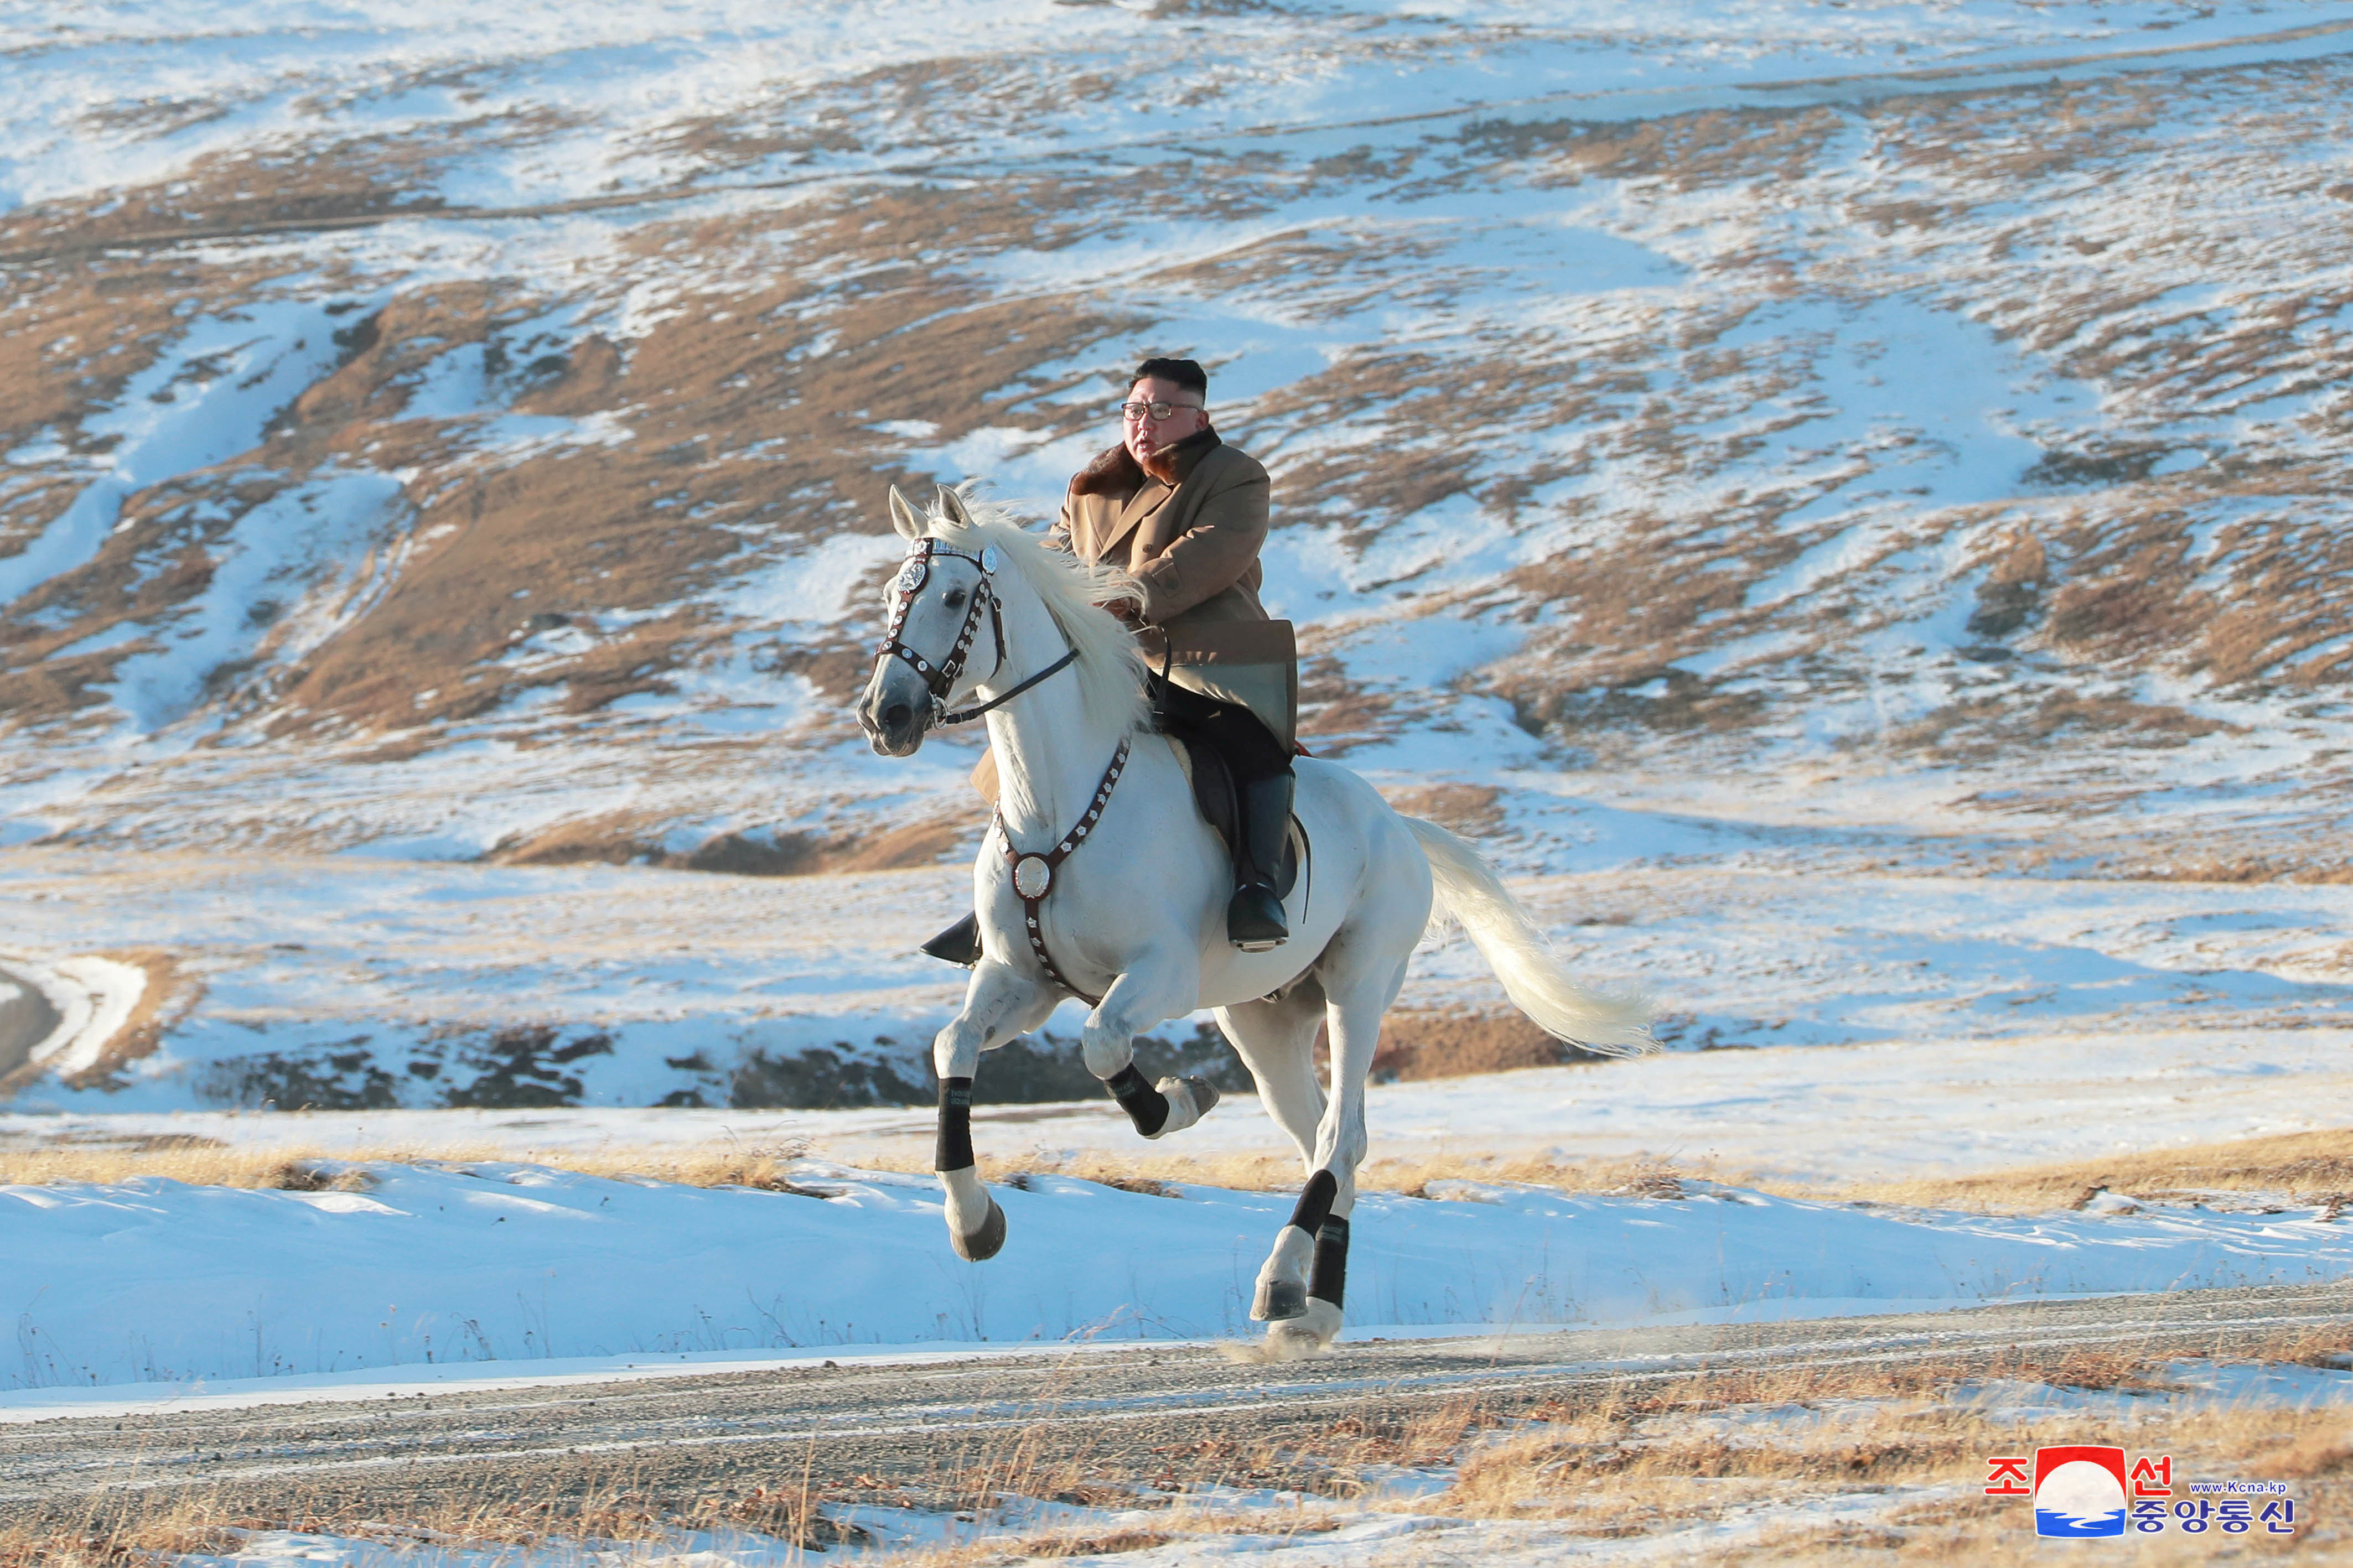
pixel 944 615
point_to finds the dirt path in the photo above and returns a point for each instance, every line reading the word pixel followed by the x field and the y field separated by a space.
pixel 933 1429
pixel 26 1018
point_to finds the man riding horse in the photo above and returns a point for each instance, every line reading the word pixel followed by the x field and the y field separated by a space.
pixel 1185 514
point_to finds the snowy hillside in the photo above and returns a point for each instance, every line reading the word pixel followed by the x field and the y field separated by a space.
pixel 1819 442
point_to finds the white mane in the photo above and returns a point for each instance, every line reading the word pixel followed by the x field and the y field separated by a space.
pixel 1110 665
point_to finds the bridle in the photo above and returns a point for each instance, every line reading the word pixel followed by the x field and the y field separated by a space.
pixel 1032 875
pixel 941 678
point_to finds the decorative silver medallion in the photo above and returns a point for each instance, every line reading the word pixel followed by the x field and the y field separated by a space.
pixel 1032 876
pixel 912 575
pixel 991 559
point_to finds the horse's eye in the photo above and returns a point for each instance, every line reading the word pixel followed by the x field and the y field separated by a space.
pixel 956 598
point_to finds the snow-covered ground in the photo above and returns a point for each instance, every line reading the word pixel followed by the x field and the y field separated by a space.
pixel 161 1282
pixel 1746 549
pixel 1734 406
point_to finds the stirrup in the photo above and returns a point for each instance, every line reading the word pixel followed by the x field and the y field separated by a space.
pixel 1254 921
pixel 959 944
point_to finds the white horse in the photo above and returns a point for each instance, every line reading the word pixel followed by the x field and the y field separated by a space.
pixel 1100 880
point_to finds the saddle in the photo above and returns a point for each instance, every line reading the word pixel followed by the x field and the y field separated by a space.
pixel 1219 804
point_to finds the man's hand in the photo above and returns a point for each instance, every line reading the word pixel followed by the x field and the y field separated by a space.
pixel 1127 610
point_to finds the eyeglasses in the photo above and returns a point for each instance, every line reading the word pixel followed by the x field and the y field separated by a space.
pixel 1131 412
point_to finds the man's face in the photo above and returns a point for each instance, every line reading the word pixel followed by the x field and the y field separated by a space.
pixel 1144 435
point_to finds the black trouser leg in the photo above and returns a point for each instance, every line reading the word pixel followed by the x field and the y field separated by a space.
pixel 1261 770
pixel 1235 732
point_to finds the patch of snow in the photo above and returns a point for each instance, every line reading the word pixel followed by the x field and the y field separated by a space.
pixel 285 558
pixel 206 400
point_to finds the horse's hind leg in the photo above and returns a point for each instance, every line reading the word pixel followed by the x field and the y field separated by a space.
pixel 997 1006
pixel 1302 1286
pixel 1276 1040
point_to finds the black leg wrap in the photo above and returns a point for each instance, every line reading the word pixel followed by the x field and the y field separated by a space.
pixel 956 1125
pixel 1329 1281
pixel 1316 1203
pixel 1280 1300
pixel 1146 1106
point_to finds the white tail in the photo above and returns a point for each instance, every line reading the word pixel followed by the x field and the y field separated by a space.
pixel 1469 890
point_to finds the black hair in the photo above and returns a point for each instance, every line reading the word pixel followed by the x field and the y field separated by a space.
pixel 1186 374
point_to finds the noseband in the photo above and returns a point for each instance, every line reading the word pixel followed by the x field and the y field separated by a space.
pixel 941 678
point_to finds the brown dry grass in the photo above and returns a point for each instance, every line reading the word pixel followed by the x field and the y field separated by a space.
pixel 2314 1168
pixel 2301 1168
pixel 1643 1460
pixel 1639 1175
pixel 206 1162
pixel 2289 1170
pixel 612 1514
pixel 1927 1459
pixel 203 1162
pixel 1718 1449
pixel 626 840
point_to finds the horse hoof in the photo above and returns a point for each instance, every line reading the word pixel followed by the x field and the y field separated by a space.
pixel 1279 1301
pixel 1310 1333
pixel 1189 1099
pixel 983 1244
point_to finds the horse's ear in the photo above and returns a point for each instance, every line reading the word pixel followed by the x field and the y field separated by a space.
pixel 952 506
pixel 904 518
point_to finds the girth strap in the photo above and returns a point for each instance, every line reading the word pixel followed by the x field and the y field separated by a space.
pixel 1033 875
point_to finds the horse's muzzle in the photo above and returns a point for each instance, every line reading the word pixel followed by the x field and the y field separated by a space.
pixel 894 719
pixel 896 734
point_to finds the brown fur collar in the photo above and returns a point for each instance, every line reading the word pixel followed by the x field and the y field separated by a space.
pixel 1115 473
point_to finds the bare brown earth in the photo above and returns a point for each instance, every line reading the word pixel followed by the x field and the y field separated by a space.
pixel 623 843
pixel 1424 1045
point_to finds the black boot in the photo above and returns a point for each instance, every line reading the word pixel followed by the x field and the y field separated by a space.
pixel 960 943
pixel 1254 920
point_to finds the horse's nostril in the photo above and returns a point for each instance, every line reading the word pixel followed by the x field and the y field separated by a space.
pixel 896 716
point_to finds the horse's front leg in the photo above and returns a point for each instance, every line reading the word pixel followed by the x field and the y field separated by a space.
pixel 999 1004
pixel 1163 983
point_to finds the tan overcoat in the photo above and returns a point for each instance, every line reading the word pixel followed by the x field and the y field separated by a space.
pixel 1190 534
pixel 1194 547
